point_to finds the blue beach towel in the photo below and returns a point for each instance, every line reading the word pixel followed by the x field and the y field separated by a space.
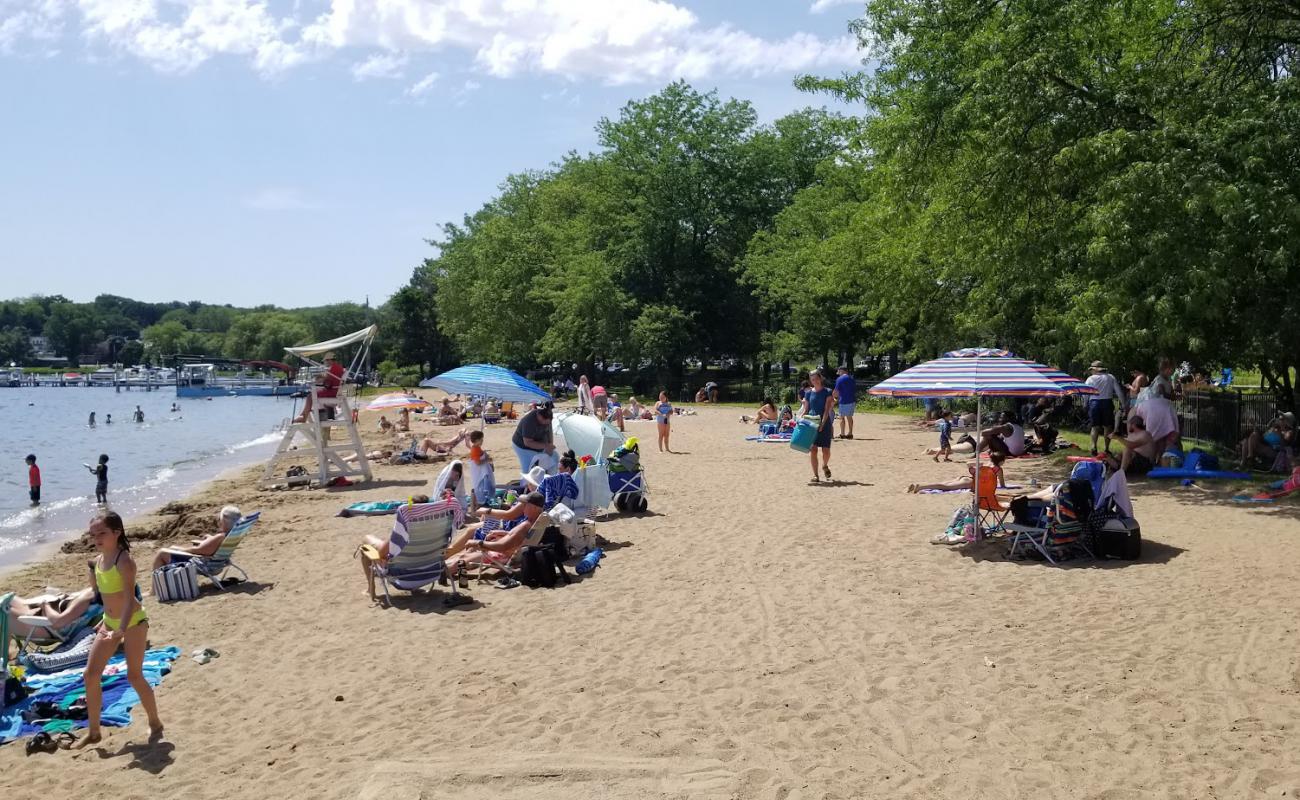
pixel 373 508
pixel 63 688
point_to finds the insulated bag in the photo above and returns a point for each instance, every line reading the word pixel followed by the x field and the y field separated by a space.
pixel 172 582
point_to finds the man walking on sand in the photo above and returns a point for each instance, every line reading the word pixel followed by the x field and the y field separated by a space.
pixel 846 389
pixel 1101 406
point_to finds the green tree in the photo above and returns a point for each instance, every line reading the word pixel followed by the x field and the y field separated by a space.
pixel 71 329
pixel 15 345
pixel 165 339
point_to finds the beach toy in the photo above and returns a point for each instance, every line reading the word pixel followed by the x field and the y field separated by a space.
pixel 589 562
pixel 805 433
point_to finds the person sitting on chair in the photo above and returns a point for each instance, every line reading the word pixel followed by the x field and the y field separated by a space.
pixel 227 518
pixel 478 546
pixel 327 385
pixel 59 610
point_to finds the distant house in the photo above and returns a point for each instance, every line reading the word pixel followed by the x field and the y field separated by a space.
pixel 43 353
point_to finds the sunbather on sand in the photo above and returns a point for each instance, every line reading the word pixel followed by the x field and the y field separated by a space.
pixel 60 609
pixel 428 447
pixel 475 546
pixel 448 414
pixel 966 482
pixel 207 546
pixel 766 413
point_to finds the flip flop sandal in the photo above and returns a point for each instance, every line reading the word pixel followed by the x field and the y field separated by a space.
pixel 827 472
pixel 506 583
pixel 41 743
pixel 65 740
pixel 815 479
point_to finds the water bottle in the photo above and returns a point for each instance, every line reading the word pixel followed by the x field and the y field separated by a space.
pixel 589 562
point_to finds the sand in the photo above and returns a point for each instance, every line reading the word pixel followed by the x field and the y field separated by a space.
pixel 752 636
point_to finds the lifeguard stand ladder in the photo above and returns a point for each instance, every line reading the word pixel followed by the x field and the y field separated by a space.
pixel 331 459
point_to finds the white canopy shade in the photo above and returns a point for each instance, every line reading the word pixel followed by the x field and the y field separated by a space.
pixel 333 344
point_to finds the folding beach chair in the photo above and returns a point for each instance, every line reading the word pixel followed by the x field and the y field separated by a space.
pixel 992 511
pixel 214 566
pixel 1062 527
pixel 417 547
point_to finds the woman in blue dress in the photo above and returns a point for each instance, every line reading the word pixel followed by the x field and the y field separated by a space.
pixel 820 401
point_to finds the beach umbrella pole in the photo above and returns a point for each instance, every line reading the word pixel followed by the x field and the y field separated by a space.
pixel 975 479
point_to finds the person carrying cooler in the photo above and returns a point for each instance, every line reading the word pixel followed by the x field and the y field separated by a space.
pixel 819 401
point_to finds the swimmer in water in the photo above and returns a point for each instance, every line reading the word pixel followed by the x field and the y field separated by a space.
pixel 139 415
pixel 92 419
pixel 108 419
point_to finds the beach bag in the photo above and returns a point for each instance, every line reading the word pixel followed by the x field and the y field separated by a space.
pixel 540 570
pixel 554 539
pixel 173 582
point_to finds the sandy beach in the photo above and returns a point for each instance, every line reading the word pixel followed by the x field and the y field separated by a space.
pixel 751 636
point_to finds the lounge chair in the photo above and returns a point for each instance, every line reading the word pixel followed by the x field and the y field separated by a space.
pixel 214 566
pixel 417 547
pixel 46 647
pixel 1062 526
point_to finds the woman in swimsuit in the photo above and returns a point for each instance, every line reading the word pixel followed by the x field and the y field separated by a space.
pixel 125 623
pixel 663 420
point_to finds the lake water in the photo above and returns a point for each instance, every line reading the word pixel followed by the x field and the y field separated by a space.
pixel 150 463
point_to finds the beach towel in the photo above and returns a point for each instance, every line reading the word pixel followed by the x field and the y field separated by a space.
pixel 63 688
pixel 963 491
pixel 373 508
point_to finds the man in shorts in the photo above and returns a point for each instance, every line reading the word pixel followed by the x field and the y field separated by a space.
pixel 1101 406
pixel 847 390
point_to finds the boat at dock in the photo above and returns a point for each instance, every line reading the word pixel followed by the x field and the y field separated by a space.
pixel 204 380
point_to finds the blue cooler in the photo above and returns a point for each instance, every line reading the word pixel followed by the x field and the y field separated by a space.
pixel 805 433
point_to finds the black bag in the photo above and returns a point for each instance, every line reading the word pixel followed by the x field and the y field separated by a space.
pixel 1117 537
pixel 553 538
pixel 540 567
pixel 14 692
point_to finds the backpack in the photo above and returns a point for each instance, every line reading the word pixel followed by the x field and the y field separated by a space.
pixel 552 537
pixel 540 569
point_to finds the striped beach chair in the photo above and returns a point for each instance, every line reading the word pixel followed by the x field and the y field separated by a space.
pixel 214 566
pixel 1062 527
pixel 417 546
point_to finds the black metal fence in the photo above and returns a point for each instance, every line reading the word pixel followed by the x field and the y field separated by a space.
pixel 1224 417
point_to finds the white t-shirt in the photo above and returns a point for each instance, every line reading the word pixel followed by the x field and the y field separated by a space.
pixel 1016 441
pixel 1105 384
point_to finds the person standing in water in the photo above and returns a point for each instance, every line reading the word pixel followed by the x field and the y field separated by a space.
pixel 125 623
pixel 139 415
pixel 91 423
pixel 108 419
pixel 33 483
pixel 101 478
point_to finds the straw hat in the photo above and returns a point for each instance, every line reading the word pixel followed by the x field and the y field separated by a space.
pixel 534 476
pixel 1097 366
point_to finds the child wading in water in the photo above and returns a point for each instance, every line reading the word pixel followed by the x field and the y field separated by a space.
pixel 101 478
pixel 125 623
pixel 663 419
pixel 33 482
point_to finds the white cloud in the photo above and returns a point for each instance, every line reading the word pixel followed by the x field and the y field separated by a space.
pixel 820 6
pixel 389 66
pixel 280 198
pixel 422 86
pixel 616 41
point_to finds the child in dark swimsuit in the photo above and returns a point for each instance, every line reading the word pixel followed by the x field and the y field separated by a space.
pixel 100 472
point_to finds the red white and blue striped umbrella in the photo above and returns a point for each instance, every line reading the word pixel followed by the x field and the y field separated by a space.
pixel 980 371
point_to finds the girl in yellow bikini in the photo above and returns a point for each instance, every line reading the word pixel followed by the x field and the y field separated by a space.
pixel 114 576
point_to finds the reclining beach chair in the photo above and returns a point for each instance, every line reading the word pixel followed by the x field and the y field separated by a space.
pixel 47 648
pixel 214 566
pixel 417 547
pixel 1062 527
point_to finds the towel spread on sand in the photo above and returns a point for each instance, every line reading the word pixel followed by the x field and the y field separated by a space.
pixel 961 491
pixel 373 508
pixel 63 688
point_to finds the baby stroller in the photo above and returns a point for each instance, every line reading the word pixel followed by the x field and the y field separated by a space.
pixel 627 478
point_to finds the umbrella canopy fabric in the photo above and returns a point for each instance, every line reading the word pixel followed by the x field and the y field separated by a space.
pixel 586 435
pixel 334 344
pixel 488 380
pixel 396 400
pixel 980 371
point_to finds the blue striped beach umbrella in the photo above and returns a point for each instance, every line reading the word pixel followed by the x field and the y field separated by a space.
pixel 978 372
pixel 488 380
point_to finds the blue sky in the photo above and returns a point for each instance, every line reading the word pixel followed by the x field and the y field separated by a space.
pixel 300 152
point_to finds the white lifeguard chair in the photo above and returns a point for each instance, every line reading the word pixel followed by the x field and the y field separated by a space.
pixel 332 460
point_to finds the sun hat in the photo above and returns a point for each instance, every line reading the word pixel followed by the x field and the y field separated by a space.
pixel 534 476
